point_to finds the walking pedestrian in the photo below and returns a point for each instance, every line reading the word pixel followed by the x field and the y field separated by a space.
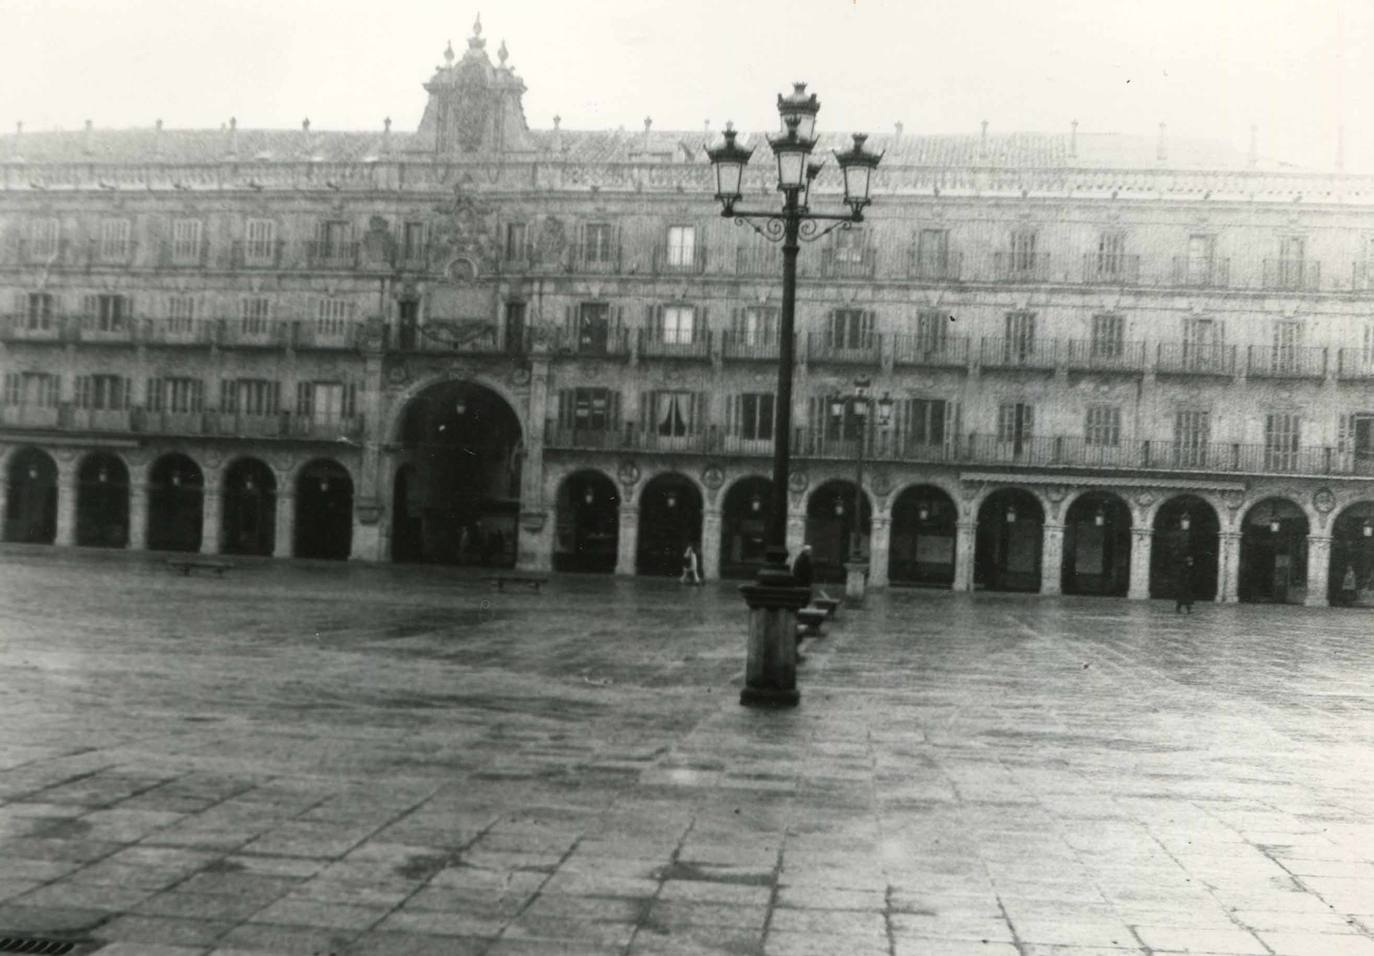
pixel 801 568
pixel 691 572
pixel 1348 585
pixel 1185 586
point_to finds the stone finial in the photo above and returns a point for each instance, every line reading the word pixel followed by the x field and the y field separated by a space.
pixel 557 120
pixel 1253 157
pixel 475 42
pixel 157 138
pixel 86 137
pixel 557 134
pixel 18 135
pixel 648 122
pixel 983 142
pixel 233 147
pixel 1161 153
pixel 448 54
pixel 897 130
pixel 708 128
pixel 1073 139
pixel 305 125
pixel 386 136
pixel 503 54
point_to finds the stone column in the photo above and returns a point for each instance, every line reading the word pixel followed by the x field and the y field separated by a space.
pixel 367 537
pixel 1318 569
pixel 627 546
pixel 1142 543
pixel 4 496
pixel 796 532
pixel 965 541
pixel 66 504
pixel 285 530
pixel 1228 568
pixel 534 544
pixel 210 522
pixel 1052 558
pixel 879 544
pixel 138 516
pixel 710 545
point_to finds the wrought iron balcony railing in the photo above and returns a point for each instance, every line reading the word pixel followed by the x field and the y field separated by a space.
pixel 932 268
pixel 1186 358
pixel 1356 364
pixel 1021 266
pixel 683 261
pixel 750 346
pixel 1104 269
pixel 859 350
pixel 1037 353
pixel 37 327
pixel 1109 355
pixel 1292 275
pixel 856 263
pixel 174 255
pixel 925 351
pixel 762 261
pixel 1210 273
pixel 594 259
pixel 655 344
pixel 1285 361
pixel 330 255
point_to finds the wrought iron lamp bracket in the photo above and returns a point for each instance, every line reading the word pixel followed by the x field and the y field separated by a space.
pixel 774 227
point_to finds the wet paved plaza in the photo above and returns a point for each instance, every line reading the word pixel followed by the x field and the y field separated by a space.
pixel 344 759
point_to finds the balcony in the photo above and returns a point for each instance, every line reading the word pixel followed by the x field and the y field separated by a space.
pixel 1105 356
pixel 591 439
pixel 946 268
pixel 863 350
pixel 1279 361
pixel 1209 273
pixel 750 346
pixel 598 260
pixel 1292 275
pixel 849 263
pixel 680 261
pixel 516 259
pixel 29 328
pixel 49 254
pixel 326 334
pixel 324 428
pixel 256 255
pixel 1099 269
pixel 1362 276
pixel 655 345
pixel 111 254
pixel 100 419
pixel 171 423
pixel 612 343
pixel 331 255
pixel 1018 353
pixel 243 425
pixel 95 330
pixel 30 416
pixel 885 445
pixel 1356 364
pixel 1240 458
pixel 253 333
pixel 184 255
pixel 1020 267
pixel 1185 358
pixel 925 351
pixel 764 262
pixel 412 258
pixel 177 331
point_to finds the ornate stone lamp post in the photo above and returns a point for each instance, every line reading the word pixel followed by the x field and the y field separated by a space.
pixel 773 598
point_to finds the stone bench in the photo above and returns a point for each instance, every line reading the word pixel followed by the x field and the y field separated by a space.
pixel 186 566
pixel 532 581
pixel 825 603
pixel 809 621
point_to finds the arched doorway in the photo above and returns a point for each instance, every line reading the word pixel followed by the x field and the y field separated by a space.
pixel 669 520
pixel 1273 553
pixel 743 527
pixel 924 521
pixel 102 502
pixel 1097 545
pixel 588 524
pixel 1006 556
pixel 176 495
pixel 1185 526
pixel 249 508
pixel 31 503
pixel 458 487
pixel 831 528
pixel 324 511
pixel 1352 552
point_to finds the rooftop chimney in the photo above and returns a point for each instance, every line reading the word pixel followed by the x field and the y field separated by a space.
pixel 1160 154
pixel 648 122
pixel 305 134
pixel 1253 157
pixel 233 148
pixel 157 138
pixel 1073 139
pixel 386 136
pixel 897 130
pixel 983 142
pixel 86 139
pixel 18 135
pixel 557 135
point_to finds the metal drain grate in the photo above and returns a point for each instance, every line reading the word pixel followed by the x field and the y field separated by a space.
pixel 32 944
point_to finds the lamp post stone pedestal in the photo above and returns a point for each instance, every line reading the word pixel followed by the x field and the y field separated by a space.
pixel 770 671
pixel 855 582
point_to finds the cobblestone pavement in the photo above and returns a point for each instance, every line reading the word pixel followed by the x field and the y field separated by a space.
pixel 340 759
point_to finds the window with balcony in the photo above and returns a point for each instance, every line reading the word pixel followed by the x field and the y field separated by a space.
pixel 848 246
pixel 335 238
pixel 250 396
pixel 109 313
pixel 593 328
pixel 45 238
pixel 1111 255
pixel 925 421
pixel 589 409
pixel 1192 435
pixel 844 417
pixel 674 414
pixel 331 317
pixel 260 244
pixel 413 241
pixel 682 246
pixel 113 244
pixel 255 312
pixel 176 395
pixel 850 329
pixel 1292 253
pixel 326 403
pixel 676 325
pixel 1109 336
pixel 102 392
pixel 41 311
pixel 1282 433
pixel 1200 259
pixel 186 240
pixel 755 325
pixel 515 327
pixel 32 389
pixel 1103 426
pixel 1203 342
pixel 1023 250
pixel 932 253
pixel 1015 424
pixel 932 331
pixel 181 313
pixel 1019 345
pixel 517 242
pixel 598 240
pixel 1287 345
pixel 753 416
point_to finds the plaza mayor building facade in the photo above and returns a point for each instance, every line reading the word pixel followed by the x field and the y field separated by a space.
pixel 1097 357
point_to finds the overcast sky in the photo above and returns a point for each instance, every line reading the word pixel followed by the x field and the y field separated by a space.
pixel 1208 68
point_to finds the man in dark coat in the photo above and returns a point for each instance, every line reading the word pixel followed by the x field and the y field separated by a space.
pixel 1185 586
pixel 801 567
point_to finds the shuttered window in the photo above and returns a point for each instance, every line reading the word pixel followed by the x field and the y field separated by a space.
pixel 102 392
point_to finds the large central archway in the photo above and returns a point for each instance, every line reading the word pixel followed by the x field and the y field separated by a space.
pixel 1273 553
pixel 1097 545
pixel 1010 534
pixel 588 537
pixel 457 492
pixel 923 537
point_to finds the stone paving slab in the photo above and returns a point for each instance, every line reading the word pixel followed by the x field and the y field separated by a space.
pixel 313 758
